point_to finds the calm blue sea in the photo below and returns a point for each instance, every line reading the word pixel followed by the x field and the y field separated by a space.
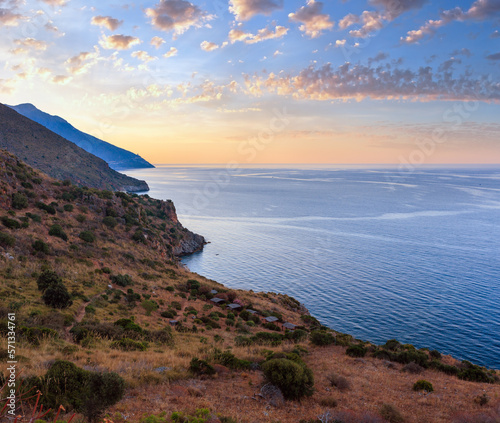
pixel 373 252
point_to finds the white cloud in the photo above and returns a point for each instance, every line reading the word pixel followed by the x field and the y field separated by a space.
pixel 313 21
pixel 107 22
pixel 119 42
pixel 247 9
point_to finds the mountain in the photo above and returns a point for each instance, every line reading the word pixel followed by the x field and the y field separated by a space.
pixel 117 158
pixel 58 157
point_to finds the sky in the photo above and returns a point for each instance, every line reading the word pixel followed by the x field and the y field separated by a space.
pixel 409 82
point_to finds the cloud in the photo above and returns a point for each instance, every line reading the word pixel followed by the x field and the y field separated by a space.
pixel 277 53
pixel 171 53
pixel 208 46
pixel 374 20
pixel 177 16
pixel 106 21
pixel 9 17
pixel 119 42
pixel 479 11
pixel 56 2
pixel 31 43
pixel 263 34
pixel 447 65
pixel 82 62
pixel 157 42
pixel 246 9
pixel 495 34
pixel 360 82
pixel 378 58
pixel 61 79
pixel 462 52
pixel 313 21
pixel 340 43
pixel 495 56
pixel 143 56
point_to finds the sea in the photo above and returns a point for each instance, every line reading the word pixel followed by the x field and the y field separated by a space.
pixel 378 252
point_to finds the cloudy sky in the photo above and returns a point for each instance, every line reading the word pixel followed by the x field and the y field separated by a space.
pixel 264 81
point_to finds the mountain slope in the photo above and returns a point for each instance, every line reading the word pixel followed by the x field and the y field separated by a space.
pixel 58 157
pixel 117 158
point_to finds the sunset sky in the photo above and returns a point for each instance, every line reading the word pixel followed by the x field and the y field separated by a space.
pixel 264 81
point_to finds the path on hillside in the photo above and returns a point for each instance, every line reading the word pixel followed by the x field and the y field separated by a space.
pixel 80 314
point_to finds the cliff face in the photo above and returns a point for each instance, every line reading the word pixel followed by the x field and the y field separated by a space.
pixel 121 223
pixel 58 157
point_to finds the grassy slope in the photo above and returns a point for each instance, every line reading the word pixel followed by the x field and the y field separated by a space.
pixel 154 268
pixel 58 157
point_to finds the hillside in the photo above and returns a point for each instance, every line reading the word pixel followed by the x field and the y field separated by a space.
pixel 117 158
pixel 58 157
pixel 94 280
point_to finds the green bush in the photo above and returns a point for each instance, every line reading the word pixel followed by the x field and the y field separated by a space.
pixel 129 325
pixel 168 314
pixel 322 338
pixel 57 230
pixel 139 236
pixel 47 207
pixel 19 201
pixel 228 359
pixel 121 280
pixel 87 236
pixel 41 246
pixel 7 240
pixel 293 379
pixel 201 367
pixel 48 278
pixel 68 207
pixel 423 385
pixel 57 296
pixel 474 373
pixel 356 350
pixel 127 344
pixel 10 223
pixel 78 390
pixel 149 306
pixel 110 222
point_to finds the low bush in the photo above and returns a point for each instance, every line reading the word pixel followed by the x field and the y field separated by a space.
pixel 110 222
pixel 228 359
pixel 87 236
pixel 168 314
pixel 413 368
pixel 41 247
pixel 475 373
pixel 201 367
pixel 391 414
pixel 293 379
pixel 57 296
pixel 127 344
pixel 7 240
pixel 121 280
pixel 68 207
pixel 321 338
pixel 19 201
pixel 46 279
pixel 11 223
pixel 356 350
pixel 423 385
pixel 338 381
pixel 50 209
pixel 57 230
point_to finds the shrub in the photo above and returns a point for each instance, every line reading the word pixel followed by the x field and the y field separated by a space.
pixel 121 280
pixel 201 367
pixel 228 359
pixel 47 207
pixel 435 354
pixel 149 306
pixel 89 393
pixel 322 338
pixel 423 385
pixel 356 350
pixel 101 390
pixel 340 382
pixel 68 207
pixel 139 236
pixel 48 278
pixel 129 325
pixel 110 222
pixel 297 335
pixel 57 296
pixel 391 414
pixel 127 344
pixel 7 240
pixel 19 201
pixel 474 373
pixel 168 314
pixel 41 246
pixel 409 356
pixel 57 230
pixel 10 223
pixel 293 379
pixel 87 236
pixel 80 218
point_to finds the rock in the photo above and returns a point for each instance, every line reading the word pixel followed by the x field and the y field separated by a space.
pixel 273 395
pixel 162 369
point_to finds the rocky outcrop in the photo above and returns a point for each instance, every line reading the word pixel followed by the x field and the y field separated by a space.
pixel 190 243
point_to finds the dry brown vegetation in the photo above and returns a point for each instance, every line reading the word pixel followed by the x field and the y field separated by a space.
pixel 158 379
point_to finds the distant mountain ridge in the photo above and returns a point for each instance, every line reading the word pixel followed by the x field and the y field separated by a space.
pixel 57 157
pixel 117 158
